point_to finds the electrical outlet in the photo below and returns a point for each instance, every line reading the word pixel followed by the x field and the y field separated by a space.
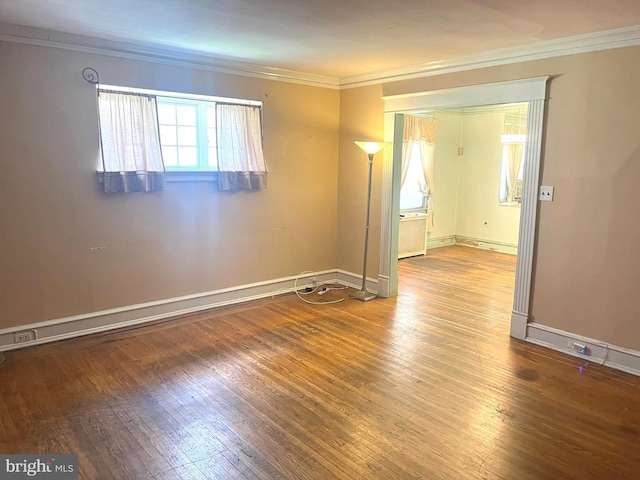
pixel 581 348
pixel 546 193
pixel 22 337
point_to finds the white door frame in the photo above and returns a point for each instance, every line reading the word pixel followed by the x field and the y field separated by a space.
pixel 531 90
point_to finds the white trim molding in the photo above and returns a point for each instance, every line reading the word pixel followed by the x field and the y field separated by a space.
pixel 529 207
pixel 591 42
pixel 515 91
pixel 96 322
pixel 482 244
pixel 613 356
pixel 354 280
pixel 391 172
pixel 115 318
pixel 473 242
pixel 518 327
pixel 531 90
pixel 159 55
pixel 437 242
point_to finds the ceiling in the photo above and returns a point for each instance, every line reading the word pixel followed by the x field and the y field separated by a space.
pixel 335 38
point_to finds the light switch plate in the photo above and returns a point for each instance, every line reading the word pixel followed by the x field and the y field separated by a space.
pixel 546 193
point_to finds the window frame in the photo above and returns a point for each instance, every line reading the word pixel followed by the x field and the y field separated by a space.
pixel 202 135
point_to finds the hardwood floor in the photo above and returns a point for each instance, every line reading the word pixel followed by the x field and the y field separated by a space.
pixel 425 385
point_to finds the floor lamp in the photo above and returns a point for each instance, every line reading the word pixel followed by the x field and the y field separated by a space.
pixel 371 148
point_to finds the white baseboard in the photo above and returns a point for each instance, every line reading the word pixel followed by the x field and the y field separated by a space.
pixel 486 244
pixel 480 243
pixel 95 322
pixel 63 328
pixel 620 358
pixel 355 280
pixel 437 242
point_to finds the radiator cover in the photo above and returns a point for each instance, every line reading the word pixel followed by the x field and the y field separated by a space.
pixel 412 236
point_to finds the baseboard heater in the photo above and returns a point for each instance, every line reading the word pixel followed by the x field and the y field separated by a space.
pixel 412 236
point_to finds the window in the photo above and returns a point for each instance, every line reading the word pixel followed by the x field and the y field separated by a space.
pixel 203 138
pixel 412 197
pixel 512 158
pixel 513 141
pixel 187 134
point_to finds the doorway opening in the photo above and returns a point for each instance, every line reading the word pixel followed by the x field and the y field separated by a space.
pixel 531 92
pixel 467 189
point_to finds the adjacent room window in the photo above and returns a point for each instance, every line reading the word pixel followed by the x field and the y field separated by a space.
pixel 414 191
pixel 418 166
pixel 513 139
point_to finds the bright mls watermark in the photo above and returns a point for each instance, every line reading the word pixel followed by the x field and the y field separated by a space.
pixel 51 467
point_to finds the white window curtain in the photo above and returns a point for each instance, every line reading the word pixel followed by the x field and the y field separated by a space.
pixel 514 136
pixel 512 154
pixel 241 164
pixel 130 142
pixel 423 131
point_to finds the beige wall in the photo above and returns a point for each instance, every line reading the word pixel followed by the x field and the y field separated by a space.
pixel 192 239
pixel 447 170
pixel 185 240
pixel 479 214
pixel 361 118
pixel 467 186
pixel 586 271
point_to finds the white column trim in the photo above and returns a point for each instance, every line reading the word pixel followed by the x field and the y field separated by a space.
pixel 388 272
pixel 518 327
pixel 528 211
pixel 532 90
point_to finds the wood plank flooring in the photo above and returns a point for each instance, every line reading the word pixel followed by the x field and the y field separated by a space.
pixel 425 385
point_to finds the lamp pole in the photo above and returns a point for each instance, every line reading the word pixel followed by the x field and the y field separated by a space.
pixel 371 148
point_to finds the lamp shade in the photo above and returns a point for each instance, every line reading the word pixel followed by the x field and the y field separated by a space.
pixel 371 147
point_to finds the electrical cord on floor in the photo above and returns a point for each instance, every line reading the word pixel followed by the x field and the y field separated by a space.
pixel 319 287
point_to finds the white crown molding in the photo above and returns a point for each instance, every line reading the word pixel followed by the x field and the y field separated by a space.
pixel 606 40
pixel 174 57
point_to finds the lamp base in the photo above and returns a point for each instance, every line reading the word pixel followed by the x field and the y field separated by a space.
pixel 364 296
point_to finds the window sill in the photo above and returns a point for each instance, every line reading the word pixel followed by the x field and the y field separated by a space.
pixel 510 204
pixel 410 214
pixel 202 176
